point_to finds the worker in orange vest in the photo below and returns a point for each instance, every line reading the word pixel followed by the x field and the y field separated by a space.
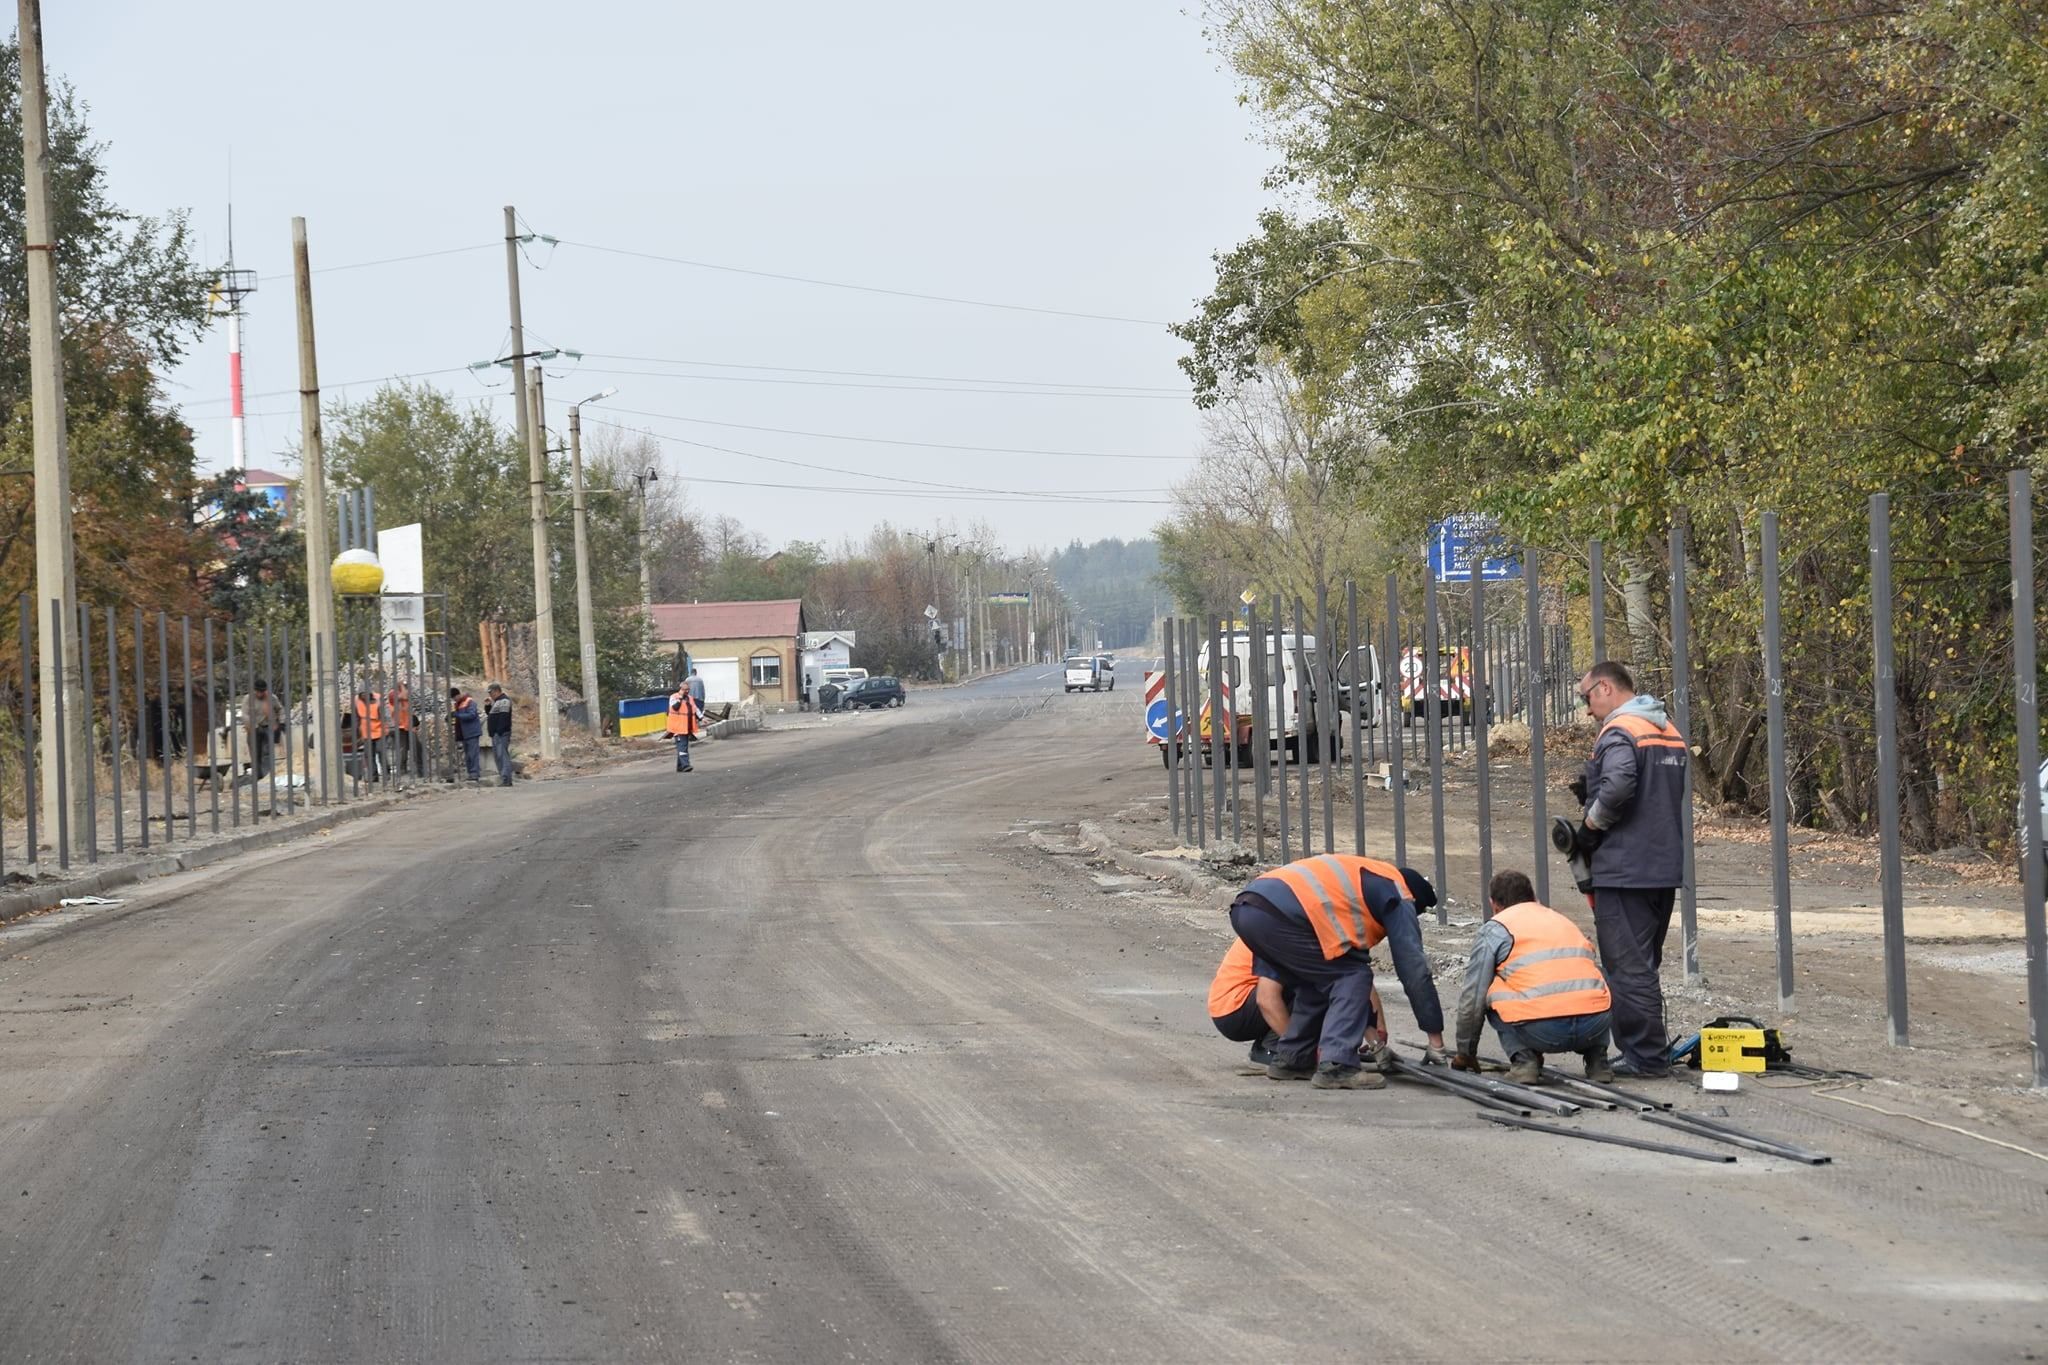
pixel 372 719
pixel 685 723
pixel 1533 976
pixel 399 700
pixel 1314 922
pixel 1247 1004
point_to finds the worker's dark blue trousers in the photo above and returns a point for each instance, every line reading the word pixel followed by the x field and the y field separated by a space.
pixel 1332 997
pixel 1629 924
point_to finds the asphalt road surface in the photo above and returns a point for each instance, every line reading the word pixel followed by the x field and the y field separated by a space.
pixel 811 1055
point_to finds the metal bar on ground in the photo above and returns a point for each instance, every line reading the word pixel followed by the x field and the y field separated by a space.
pixel 1681 714
pixel 1890 876
pixel 2026 682
pixel 1174 739
pixel 1612 1139
pixel 114 728
pixel 1612 1092
pixel 1361 659
pixel 1436 1082
pixel 1433 687
pixel 1596 592
pixel 1304 753
pixel 1222 728
pixel 1774 700
pixel 1280 710
pixel 1705 1128
pixel 1255 654
pixel 1397 780
pixel 1533 671
pixel 56 647
pixel 1500 1090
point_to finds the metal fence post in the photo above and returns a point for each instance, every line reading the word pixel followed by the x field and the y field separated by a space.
pixel 1432 643
pixel 1255 655
pixel 1482 701
pixel 163 701
pixel 1304 704
pixel 142 723
pixel 1681 713
pixel 1329 731
pixel 1774 698
pixel 1173 736
pixel 2026 695
pixel 287 705
pixel 1227 646
pixel 1890 875
pixel 1222 741
pixel 1191 673
pixel 1596 586
pixel 270 676
pixel 1397 779
pixel 56 647
pixel 1280 724
pixel 1532 670
pixel 1361 658
pixel 89 760
pixel 240 721
pixel 212 732
pixel 114 728
pixel 28 732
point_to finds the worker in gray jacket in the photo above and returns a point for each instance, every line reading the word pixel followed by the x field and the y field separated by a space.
pixel 1633 838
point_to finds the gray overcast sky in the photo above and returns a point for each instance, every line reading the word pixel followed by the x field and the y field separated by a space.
pixel 1065 155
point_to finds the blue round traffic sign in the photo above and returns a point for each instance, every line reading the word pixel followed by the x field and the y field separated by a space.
pixel 1155 718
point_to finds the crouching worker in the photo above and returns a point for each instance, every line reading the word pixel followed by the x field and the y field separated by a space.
pixel 1313 923
pixel 1534 977
pixel 1247 1004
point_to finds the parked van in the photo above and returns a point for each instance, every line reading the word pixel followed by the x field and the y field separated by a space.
pixel 1294 698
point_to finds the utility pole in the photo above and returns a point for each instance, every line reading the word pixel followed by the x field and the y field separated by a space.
pixel 312 519
pixel 518 328
pixel 586 622
pixel 642 479
pixel 56 572
pixel 543 590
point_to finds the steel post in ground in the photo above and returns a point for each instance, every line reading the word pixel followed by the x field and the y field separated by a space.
pixel 29 751
pixel 2026 695
pixel 1482 702
pixel 163 706
pixel 1279 708
pixel 191 755
pixel 1237 753
pixel 270 674
pixel 1397 779
pixel 288 705
pixel 1222 727
pixel 114 728
pixel 1304 752
pixel 1611 1139
pixel 212 728
pixel 1255 655
pixel 1681 715
pixel 1432 656
pixel 1533 668
pixel 1174 739
pixel 1890 864
pixel 1329 730
pixel 142 725
pixel 62 732
pixel 89 760
pixel 236 709
pixel 1774 704
pixel 1360 659
pixel 1596 592
pixel 1190 673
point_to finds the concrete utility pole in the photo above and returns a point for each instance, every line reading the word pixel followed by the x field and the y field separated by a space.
pixel 640 482
pixel 543 590
pixel 518 328
pixel 312 518
pixel 586 623
pixel 56 572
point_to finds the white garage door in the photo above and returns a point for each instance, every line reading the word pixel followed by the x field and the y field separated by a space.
pixel 721 679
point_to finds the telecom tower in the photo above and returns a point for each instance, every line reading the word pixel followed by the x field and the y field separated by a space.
pixel 230 287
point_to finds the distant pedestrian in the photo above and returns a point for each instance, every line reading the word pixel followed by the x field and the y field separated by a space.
pixel 696 686
pixel 685 722
pixel 498 725
pixel 1633 832
pixel 262 719
pixel 469 729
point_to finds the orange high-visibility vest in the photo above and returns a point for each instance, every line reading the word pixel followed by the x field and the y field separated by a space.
pixel 682 713
pixel 1234 981
pixel 369 718
pixel 401 708
pixel 1645 735
pixel 1327 889
pixel 1550 973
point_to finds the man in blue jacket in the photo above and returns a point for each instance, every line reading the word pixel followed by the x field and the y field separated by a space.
pixel 469 728
pixel 1634 790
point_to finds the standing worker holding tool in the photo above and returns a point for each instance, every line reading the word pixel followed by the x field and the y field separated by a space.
pixel 1313 923
pixel 1628 854
pixel 685 723
pixel 1533 976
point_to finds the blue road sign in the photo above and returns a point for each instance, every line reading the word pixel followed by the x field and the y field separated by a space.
pixel 1451 545
pixel 1155 719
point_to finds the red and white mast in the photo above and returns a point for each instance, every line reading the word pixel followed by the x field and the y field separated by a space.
pixel 230 287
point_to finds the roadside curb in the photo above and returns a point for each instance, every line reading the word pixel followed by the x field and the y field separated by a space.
pixel 15 904
pixel 1190 880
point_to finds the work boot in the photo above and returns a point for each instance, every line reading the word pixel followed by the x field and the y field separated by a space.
pixel 1635 1071
pixel 1597 1066
pixel 1330 1076
pixel 679 766
pixel 1377 1055
pixel 1280 1069
pixel 1526 1068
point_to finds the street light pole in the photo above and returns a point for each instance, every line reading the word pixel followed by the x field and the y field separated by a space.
pixel 586 623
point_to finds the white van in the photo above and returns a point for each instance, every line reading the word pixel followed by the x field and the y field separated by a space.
pixel 1090 673
pixel 1286 695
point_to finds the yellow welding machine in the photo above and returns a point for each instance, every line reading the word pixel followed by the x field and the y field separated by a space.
pixel 1731 1049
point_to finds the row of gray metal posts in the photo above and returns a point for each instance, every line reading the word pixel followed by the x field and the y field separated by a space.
pixel 1528 672
pixel 176 690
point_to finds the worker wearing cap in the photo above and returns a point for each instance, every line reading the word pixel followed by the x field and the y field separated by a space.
pixel 1313 922
pixel 685 722
pixel 1534 977
pixel 1247 1004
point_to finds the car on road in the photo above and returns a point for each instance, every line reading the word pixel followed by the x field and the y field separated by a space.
pixel 873 693
pixel 1090 673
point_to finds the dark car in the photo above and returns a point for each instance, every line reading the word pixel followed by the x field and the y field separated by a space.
pixel 873 692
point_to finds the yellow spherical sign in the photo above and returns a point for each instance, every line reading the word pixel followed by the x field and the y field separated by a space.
pixel 357 573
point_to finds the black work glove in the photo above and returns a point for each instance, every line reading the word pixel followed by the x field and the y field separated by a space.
pixel 1577 787
pixel 1464 1061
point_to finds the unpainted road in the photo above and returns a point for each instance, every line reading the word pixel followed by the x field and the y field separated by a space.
pixel 811 1056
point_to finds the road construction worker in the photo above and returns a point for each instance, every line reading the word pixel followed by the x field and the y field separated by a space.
pixel 1313 922
pixel 1633 838
pixel 1533 976
pixel 1247 1004
pixel 372 723
pixel 399 699
pixel 469 730
pixel 685 722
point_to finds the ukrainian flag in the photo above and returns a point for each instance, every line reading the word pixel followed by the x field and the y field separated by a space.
pixel 643 716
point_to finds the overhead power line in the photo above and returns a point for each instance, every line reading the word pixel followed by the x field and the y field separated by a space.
pixel 884 388
pixel 862 288
pixel 917 493
pixel 391 260
pixel 890 441
pixel 1152 389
